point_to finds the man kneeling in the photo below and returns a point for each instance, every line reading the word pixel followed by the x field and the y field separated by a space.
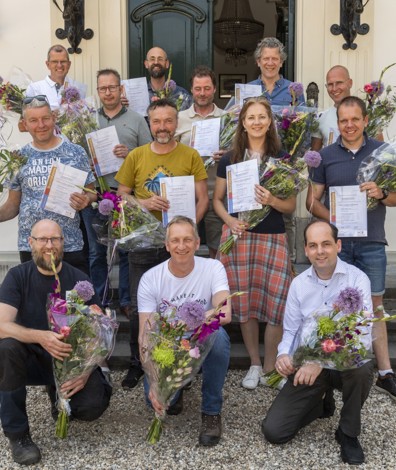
pixel 307 395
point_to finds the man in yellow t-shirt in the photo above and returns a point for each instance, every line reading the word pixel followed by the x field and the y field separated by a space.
pixel 140 173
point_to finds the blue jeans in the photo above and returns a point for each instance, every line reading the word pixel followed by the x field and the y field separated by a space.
pixel 98 262
pixel 370 257
pixel 214 372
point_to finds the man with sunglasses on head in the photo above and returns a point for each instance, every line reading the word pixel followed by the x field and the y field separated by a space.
pixel 27 346
pixel 58 64
pixel 27 188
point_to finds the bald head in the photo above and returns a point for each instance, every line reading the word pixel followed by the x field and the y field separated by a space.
pixel 338 83
pixel 44 226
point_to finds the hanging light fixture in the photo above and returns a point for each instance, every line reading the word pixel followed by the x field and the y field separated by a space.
pixel 237 32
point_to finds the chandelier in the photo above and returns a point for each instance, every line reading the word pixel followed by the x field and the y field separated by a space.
pixel 237 32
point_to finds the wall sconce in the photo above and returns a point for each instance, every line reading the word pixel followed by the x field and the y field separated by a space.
pixel 350 27
pixel 73 14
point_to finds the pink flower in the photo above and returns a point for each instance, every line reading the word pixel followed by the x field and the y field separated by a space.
pixel 194 353
pixel 65 331
pixel 329 346
pixel 369 88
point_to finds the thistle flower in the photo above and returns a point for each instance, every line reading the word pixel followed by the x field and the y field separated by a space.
pixel 84 290
pixel 105 206
pixel 71 94
pixel 312 158
pixel 378 87
pixel 296 88
pixel 192 314
pixel 350 300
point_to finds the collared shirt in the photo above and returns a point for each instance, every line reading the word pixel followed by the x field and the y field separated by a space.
pixel 309 294
pixel 328 127
pixel 47 87
pixel 175 95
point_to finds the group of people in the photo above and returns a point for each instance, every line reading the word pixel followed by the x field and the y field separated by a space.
pixel 259 263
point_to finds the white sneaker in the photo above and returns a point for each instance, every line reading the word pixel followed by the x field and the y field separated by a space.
pixel 279 386
pixel 252 378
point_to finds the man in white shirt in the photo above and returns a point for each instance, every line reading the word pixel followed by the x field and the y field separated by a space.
pixel 185 277
pixel 307 395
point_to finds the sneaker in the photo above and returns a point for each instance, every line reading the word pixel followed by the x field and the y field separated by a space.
pixel 351 450
pixel 24 450
pixel 177 407
pixel 252 378
pixel 134 375
pixel 210 433
pixel 279 386
pixel 387 384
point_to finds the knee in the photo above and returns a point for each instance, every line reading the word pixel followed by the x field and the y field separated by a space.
pixel 10 347
pixel 274 433
pixel 221 345
pixel 94 408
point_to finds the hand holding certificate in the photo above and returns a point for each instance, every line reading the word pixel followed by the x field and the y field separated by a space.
pixel 205 136
pixel 241 180
pixel 101 145
pixel 137 94
pixel 180 192
pixel 348 210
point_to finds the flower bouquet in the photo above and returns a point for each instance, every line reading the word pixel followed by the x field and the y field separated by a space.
pixel 11 161
pixel 175 344
pixel 334 339
pixel 283 179
pixel 90 333
pixel 380 111
pixel 379 166
pixel 228 125
pixel 182 101
pixel 11 96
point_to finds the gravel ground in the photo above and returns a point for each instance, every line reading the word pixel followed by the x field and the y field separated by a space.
pixel 117 440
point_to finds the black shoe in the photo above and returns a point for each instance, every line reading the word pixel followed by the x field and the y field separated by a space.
pixel 177 407
pixel 24 450
pixel 351 450
pixel 328 404
pixel 134 375
pixel 210 430
pixel 387 384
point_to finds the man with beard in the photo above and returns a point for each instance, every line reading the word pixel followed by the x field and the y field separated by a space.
pixel 27 346
pixel 140 173
pixel 157 65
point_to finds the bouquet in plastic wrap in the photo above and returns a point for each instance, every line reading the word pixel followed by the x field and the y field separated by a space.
pixel 182 101
pixel 76 117
pixel 282 179
pixel 380 104
pixel 11 161
pixel 228 125
pixel 175 344
pixel 89 331
pixel 379 166
pixel 12 92
pixel 334 338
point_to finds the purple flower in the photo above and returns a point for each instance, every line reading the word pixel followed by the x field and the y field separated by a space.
pixel 312 158
pixel 285 124
pixel 378 87
pixel 349 300
pixel 84 290
pixel 71 94
pixel 114 198
pixel 208 328
pixel 171 85
pixel 192 314
pixel 194 353
pixel 296 88
pixel 105 206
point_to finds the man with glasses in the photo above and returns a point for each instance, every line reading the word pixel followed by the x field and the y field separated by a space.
pixel 58 64
pixel 157 65
pixel 132 131
pixel 27 346
pixel 339 166
pixel 27 188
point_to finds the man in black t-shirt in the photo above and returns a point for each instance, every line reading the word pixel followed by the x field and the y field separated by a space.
pixel 27 345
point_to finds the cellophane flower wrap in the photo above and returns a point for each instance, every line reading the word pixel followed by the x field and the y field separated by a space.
pixel 380 167
pixel 12 92
pixel 175 343
pixel 333 338
pixel 77 117
pixel 228 125
pixel 283 178
pixel 181 101
pixel 380 103
pixel 89 331
pixel 11 161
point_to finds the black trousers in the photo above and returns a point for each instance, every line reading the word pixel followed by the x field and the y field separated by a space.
pixel 29 364
pixel 78 259
pixel 295 407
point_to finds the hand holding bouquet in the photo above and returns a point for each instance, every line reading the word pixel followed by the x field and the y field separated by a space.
pixel 11 161
pixel 12 93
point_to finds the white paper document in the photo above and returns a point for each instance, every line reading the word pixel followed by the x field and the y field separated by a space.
pixel 348 210
pixel 243 91
pixel 241 178
pixel 137 94
pixel 180 192
pixel 205 136
pixel 63 181
pixel 101 144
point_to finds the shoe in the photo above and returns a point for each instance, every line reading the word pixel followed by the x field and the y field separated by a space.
pixel 107 375
pixel 127 311
pixel 387 384
pixel 24 450
pixel 177 407
pixel 252 378
pixel 279 385
pixel 351 450
pixel 134 375
pixel 328 404
pixel 210 433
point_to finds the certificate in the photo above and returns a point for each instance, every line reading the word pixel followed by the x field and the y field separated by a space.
pixel 180 192
pixel 348 210
pixel 62 182
pixel 241 178
pixel 137 94
pixel 101 144
pixel 205 136
pixel 243 91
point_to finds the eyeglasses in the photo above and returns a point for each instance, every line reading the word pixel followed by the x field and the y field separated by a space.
pixel 62 62
pixel 29 99
pixel 111 88
pixel 156 59
pixel 44 240
pixel 334 84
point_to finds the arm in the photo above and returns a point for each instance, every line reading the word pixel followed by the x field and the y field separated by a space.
pixel 285 206
pixel 219 298
pixel 376 192
pixel 201 198
pixel 10 208
pixel 313 204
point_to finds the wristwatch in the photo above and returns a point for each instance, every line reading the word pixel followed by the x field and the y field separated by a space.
pixel 385 193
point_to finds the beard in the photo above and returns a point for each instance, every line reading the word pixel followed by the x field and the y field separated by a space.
pixel 157 71
pixel 163 139
pixel 42 263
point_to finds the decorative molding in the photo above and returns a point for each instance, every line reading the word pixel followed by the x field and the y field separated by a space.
pixel 176 6
pixel 350 27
